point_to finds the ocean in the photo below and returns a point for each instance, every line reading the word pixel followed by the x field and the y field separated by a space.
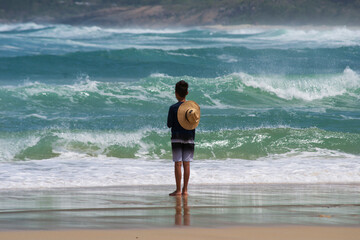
pixel 87 106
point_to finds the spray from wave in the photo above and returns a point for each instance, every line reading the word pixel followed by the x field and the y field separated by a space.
pixel 305 88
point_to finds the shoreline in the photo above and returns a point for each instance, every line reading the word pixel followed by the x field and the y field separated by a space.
pixel 170 186
pixel 242 232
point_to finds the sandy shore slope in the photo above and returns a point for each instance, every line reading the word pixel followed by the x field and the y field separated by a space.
pixel 276 233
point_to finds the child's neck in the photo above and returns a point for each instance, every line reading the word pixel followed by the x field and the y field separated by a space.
pixel 180 99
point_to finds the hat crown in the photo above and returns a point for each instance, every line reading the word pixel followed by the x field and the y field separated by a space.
pixel 189 115
pixel 192 115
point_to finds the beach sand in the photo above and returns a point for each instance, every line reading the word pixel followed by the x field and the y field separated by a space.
pixel 261 233
pixel 252 211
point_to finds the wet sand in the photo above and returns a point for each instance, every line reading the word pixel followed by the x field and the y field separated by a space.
pixel 254 233
pixel 207 206
pixel 271 211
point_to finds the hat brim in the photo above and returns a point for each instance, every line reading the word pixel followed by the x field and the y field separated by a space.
pixel 181 114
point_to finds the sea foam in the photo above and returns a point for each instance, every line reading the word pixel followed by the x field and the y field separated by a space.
pixel 305 37
pixel 79 170
pixel 60 38
pixel 20 27
pixel 305 88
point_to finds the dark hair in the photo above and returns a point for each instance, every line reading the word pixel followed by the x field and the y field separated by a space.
pixel 181 88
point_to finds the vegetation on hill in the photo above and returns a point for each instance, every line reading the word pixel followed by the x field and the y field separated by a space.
pixel 182 12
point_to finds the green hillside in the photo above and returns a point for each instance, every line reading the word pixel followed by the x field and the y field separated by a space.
pixel 182 12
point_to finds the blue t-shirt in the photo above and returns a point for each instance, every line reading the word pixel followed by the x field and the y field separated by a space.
pixel 178 133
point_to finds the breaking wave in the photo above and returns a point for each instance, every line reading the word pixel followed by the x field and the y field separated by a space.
pixel 247 144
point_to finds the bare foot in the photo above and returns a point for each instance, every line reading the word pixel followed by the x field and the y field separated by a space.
pixel 175 193
pixel 184 192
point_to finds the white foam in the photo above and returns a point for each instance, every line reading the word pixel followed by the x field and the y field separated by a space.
pixel 20 27
pixel 100 140
pixel 284 37
pixel 182 54
pixel 211 144
pixel 9 47
pixel 337 36
pixel 159 75
pixel 259 37
pixel 89 143
pixel 60 38
pixel 308 89
pixel 349 118
pixel 80 170
pixel 247 30
pixel 117 90
pixel 146 30
pixel 63 31
pixel 70 32
pixel 216 104
pixel 227 58
pixel 36 116
pixel 83 87
pixel 12 146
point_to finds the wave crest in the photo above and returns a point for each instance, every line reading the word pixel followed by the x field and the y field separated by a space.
pixel 248 144
pixel 305 88
pixel 231 91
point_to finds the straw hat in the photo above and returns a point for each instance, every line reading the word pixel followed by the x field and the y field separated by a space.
pixel 189 115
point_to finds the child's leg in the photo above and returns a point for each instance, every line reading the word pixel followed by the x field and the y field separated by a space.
pixel 177 157
pixel 186 177
pixel 188 154
pixel 177 179
pixel 178 176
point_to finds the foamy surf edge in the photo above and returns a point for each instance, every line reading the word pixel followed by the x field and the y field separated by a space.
pixel 78 170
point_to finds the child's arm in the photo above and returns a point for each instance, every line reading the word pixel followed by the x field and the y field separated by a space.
pixel 169 120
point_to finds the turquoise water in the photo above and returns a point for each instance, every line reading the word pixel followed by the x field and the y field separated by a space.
pixel 78 95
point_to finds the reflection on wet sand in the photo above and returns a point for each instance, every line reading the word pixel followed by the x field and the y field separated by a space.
pixel 150 206
pixel 182 203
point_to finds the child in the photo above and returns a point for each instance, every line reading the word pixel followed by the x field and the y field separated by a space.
pixel 183 118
